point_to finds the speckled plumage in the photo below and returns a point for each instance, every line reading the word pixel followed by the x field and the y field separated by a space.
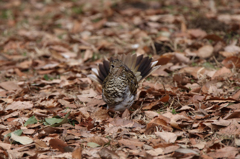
pixel 120 77
pixel 119 87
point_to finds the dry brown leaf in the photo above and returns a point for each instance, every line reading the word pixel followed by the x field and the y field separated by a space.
pixel 77 153
pixel 106 153
pixel 99 140
pixel 200 145
pixel 177 119
pixel 223 72
pixel 151 114
pixel 232 48
pixel 181 58
pixel 226 152
pixel 213 37
pixel 119 123
pixel 164 59
pixel 60 145
pixel 160 122
pixel 226 54
pixel 155 152
pixel 10 86
pixel 19 105
pixel 221 122
pixel 49 103
pixel 101 114
pixel 197 33
pixel 149 106
pixel 130 143
pixel 236 95
pixel 232 115
pixel 88 54
pixel 232 62
pixel 5 146
pixel 232 129
pixel 196 72
pixel 205 51
pixel 167 136
pixel 40 143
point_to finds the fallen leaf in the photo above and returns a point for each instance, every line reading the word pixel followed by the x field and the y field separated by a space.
pixel 226 152
pixel 21 139
pixel 177 119
pixel 98 140
pixel 130 143
pixel 200 145
pixel 5 146
pixel 77 153
pixel 106 153
pixel 151 114
pixel 232 62
pixel 19 105
pixel 197 33
pixel 10 86
pixel 221 122
pixel 155 152
pixel 232 48
pixel 181 58
pixel 149 106
pixel 40 143
pixel 236 95
pixel 232 129
pixel 164 59
pixel 187 151
pixel 165 98
pixel 60 145
pixel 92 144
pixel 167 136
pixel 31 120
pixel 160 122
pixel 223 72
pixel 205 51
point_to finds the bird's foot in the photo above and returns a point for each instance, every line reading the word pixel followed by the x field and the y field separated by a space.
pixel 114 114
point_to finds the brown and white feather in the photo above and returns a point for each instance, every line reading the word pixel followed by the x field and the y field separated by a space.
pixel 141 66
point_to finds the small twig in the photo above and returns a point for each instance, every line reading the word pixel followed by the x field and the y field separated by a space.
pixel 154 49
pixel 179 101
pixel 172 103
pixel 136 111
pixel 163 87
pixel 218 64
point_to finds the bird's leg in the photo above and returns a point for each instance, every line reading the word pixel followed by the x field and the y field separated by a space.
pixel 117 114
pixel 113 113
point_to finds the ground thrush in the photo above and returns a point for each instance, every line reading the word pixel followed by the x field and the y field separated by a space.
pixel 119 78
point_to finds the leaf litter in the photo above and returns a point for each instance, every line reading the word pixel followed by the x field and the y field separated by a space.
pixel 188 108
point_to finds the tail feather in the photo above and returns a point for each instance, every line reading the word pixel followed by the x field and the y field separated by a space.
pixel 147 67
pixel 134 60
pixel 145 63
pixel 139 59
pixel 141 66
pixel 152 70
pixel 102 70
pixel 106 65
pixel 101 73
pixel 129 60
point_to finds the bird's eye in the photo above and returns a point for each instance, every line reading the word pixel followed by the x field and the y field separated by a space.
pixel 112 66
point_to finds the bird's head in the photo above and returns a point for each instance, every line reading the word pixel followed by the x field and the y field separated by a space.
pixel 116 67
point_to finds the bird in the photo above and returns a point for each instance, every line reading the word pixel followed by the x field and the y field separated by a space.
pixel 120 77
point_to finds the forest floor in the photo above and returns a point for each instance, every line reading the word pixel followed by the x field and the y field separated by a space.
pixel 188 108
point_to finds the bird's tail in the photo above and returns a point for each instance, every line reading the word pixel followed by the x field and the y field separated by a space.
pixel 141 66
